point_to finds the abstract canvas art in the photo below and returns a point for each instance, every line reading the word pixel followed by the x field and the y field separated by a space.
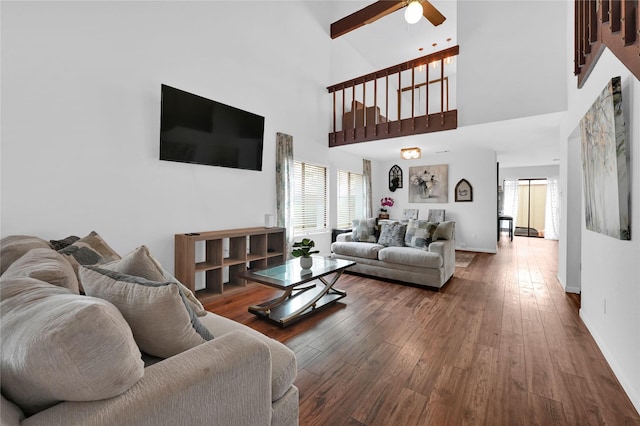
pixel 429 184
pixel 605 165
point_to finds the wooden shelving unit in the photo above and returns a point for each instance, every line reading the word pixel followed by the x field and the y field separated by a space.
pixel 235 250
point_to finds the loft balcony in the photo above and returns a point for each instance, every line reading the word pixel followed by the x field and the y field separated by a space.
pixel 411 98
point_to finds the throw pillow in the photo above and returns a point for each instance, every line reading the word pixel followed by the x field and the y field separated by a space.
pixel 14 247
pixel 90 250
pixel 58 346
pixel 392 234
pixel 140 263
pixel 420 233
pixel 46 265
pixel 364 230
pixel 444 231
pixel 158 313
pixel 65 242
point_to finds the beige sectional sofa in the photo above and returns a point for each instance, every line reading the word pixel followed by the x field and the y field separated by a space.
pixel 132 351
pixel 420 252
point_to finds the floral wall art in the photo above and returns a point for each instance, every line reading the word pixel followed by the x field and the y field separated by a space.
pixel 429 184
pixel 604 163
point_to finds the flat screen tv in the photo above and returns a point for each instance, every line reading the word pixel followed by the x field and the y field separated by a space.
pixel 197 130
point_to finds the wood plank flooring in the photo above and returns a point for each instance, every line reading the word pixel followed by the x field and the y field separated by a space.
pixel 500 344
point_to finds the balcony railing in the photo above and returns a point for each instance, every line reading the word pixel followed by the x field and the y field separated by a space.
pixel 406 99
pixel 611 23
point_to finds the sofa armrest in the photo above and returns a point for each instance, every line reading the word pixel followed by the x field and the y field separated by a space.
pixel 224 381
pixel 447 250
pixel 344 238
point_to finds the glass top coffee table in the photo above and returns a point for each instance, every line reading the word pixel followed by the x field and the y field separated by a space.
pixel 305 290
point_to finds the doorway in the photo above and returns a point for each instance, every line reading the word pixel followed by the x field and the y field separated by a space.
pixel 532 202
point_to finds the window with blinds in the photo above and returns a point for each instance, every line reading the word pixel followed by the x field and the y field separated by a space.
pixel 310 198
pixel 350 198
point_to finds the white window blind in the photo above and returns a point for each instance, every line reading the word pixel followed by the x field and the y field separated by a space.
pixel 350 198
pixel 310 198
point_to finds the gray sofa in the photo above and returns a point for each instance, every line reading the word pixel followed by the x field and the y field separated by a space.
pixel 73 359
pixel 431 265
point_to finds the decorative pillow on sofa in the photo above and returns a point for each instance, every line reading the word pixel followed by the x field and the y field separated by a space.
pixel 420 233
pixel 444 231
pixel 14 247
pixel 364 230
pixel 392 234
pixel 65 242
pixel 90 250
pixel 158 313
pixel 140 263
pixel 46 265
pixel 58 346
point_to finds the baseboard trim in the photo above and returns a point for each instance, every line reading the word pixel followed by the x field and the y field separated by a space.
pixel 477 250
pixel 617 371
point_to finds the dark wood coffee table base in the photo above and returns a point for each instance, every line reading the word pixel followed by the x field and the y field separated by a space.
pixel 298 302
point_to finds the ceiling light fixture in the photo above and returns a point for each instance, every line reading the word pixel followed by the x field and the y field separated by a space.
pixel 434 64
pixel 410 153
pixel 448 59
pixel 413 12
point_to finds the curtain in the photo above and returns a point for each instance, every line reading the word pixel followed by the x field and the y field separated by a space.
pixel 284 186
pixel 367 185
pixel 552 210
pixel 511 199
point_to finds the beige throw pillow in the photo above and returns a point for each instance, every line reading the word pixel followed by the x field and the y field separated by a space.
pixel 158 313
pixel 14 247
pixel 46 265
pixel 140 263
pixel 444 231
pixel 89 250
pixel 59 346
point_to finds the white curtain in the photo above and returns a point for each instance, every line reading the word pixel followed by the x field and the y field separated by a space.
pixel 511 192
pixel 552 210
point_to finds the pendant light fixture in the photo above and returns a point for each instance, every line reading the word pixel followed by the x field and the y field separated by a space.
pixel 413 12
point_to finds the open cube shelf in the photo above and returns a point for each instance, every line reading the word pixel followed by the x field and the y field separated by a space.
pixel 234 249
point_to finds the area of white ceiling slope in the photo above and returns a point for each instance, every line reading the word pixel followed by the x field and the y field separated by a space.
pixel 511 93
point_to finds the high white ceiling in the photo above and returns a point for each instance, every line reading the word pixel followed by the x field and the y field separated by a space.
pixel 529 141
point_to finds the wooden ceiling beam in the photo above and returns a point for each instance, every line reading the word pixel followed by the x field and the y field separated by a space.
pixel 364 16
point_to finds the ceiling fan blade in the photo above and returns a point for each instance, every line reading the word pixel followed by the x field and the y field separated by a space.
pixel 366 15
pixel 432 14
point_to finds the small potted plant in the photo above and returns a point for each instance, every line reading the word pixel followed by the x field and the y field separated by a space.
pixel 303 250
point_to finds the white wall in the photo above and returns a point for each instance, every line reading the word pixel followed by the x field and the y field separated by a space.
pixel 610 277
pixel 476 222
pixel 535 172
pixel 81 109
pixel 499 46
pixel 571 216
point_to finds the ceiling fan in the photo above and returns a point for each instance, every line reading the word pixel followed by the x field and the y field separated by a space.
pixel 415 9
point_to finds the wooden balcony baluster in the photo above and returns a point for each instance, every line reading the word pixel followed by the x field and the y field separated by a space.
pixel 613 24
pixel 362 122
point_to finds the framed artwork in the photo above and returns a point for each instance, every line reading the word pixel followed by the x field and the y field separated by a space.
pixel 395 178
pixel 605 174
pixel 410 214
pixel 464 191
pixel 429 184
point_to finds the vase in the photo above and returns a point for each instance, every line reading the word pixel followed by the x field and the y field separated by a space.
pixel 306 262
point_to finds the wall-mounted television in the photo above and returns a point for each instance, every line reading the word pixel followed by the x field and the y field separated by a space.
pixel 198 130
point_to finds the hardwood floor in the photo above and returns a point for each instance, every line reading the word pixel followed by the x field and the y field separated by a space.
pixel 500 344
